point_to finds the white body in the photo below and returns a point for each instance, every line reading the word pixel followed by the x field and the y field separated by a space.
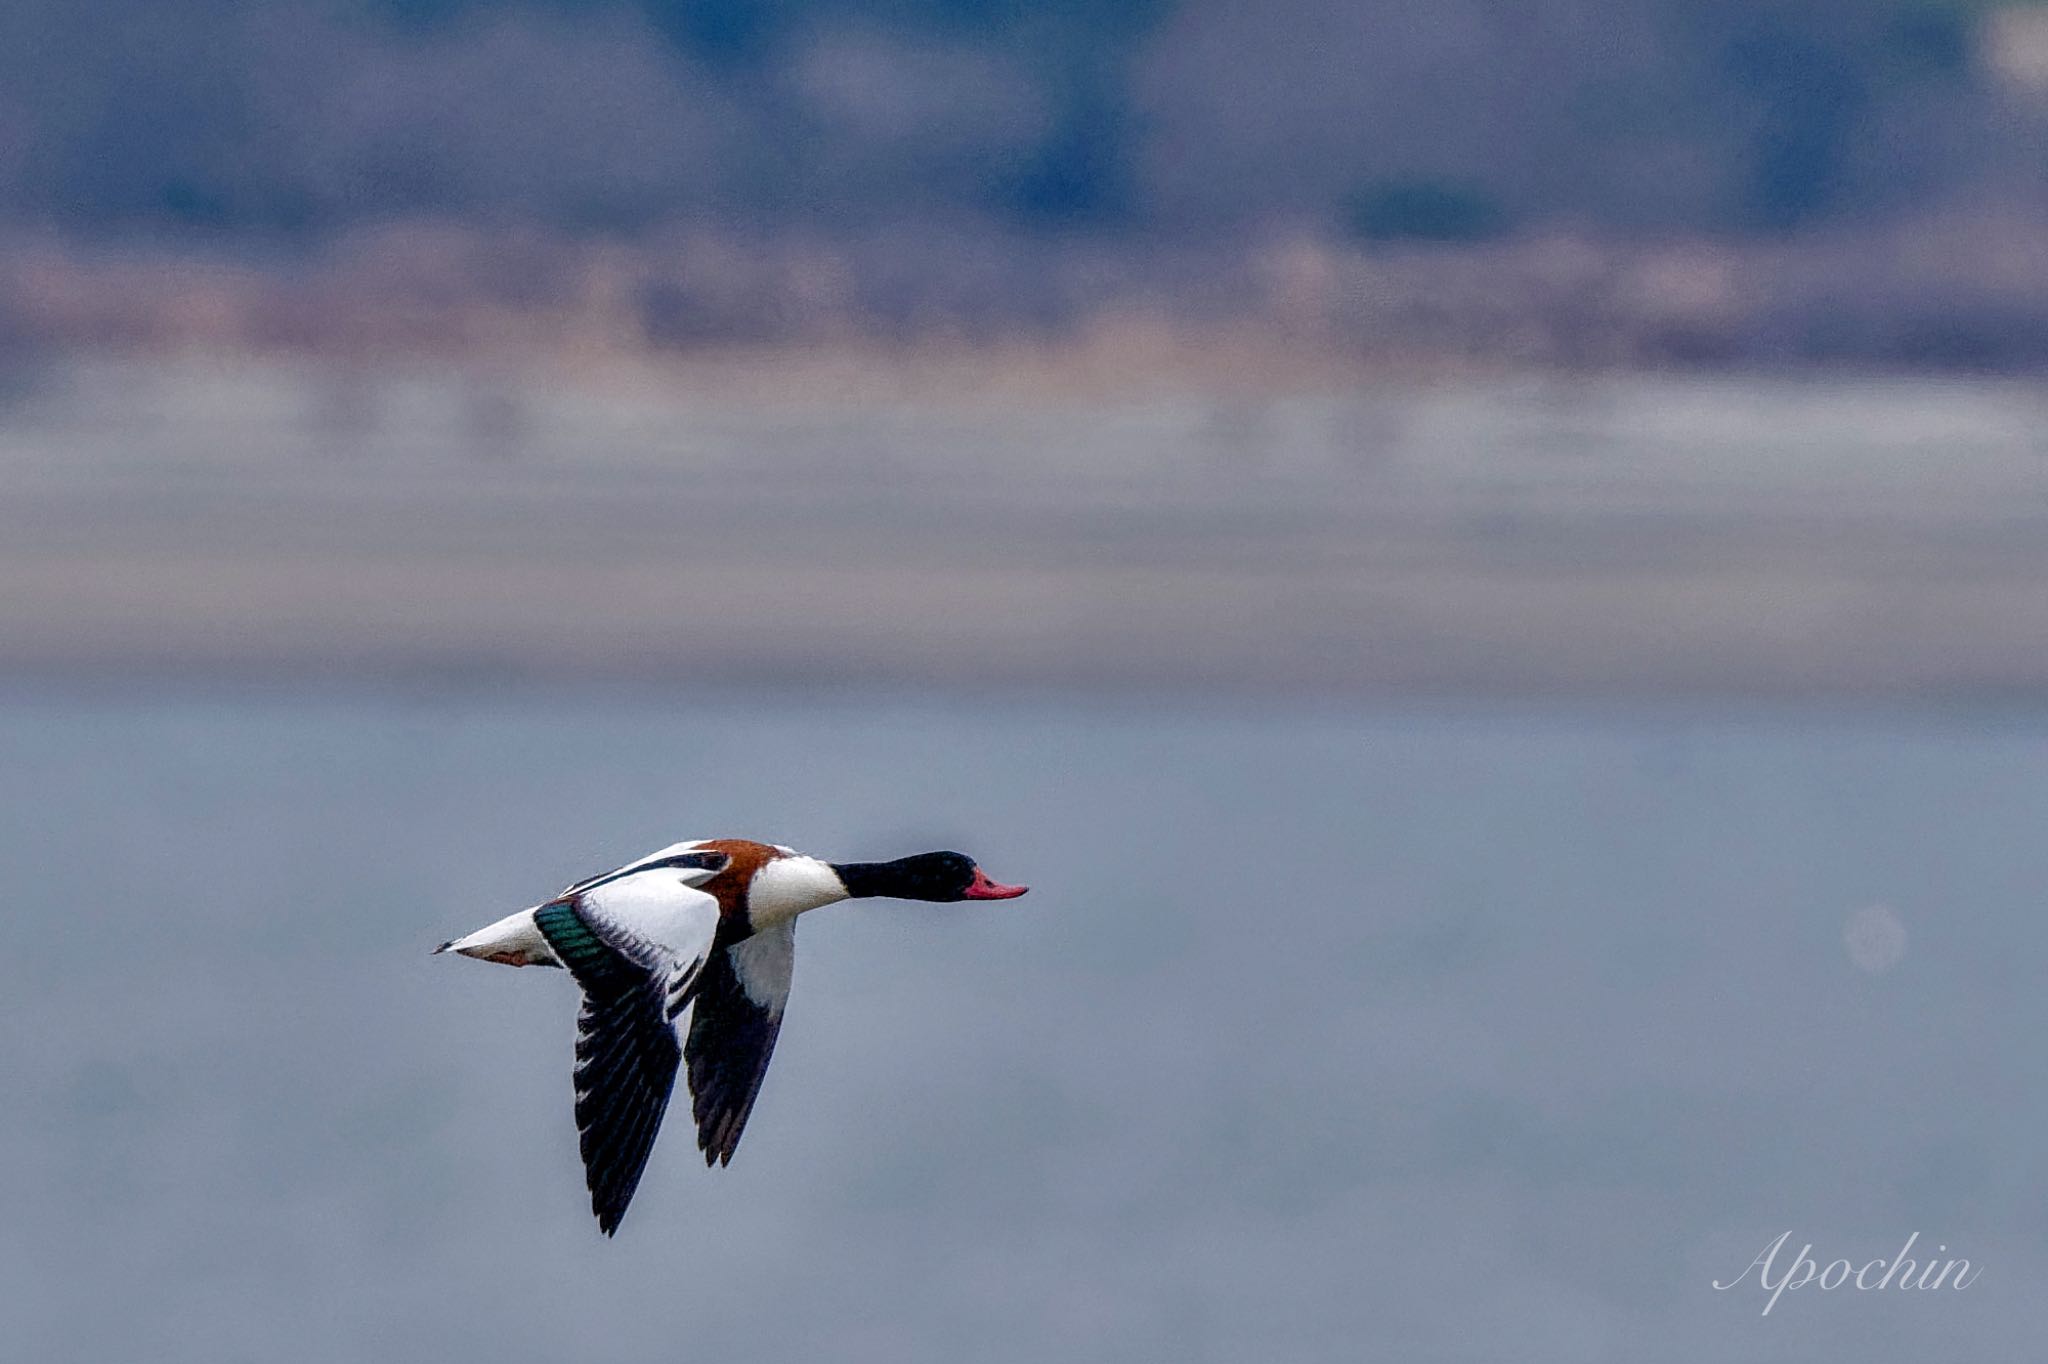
pixel 514 940
pixel 791 885
pixel 663 905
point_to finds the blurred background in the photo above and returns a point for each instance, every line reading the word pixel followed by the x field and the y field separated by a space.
pixel 1488 561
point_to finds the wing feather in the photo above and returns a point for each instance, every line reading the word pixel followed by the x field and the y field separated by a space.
pixel 632 943
pixel 738 1000
pixel 694 866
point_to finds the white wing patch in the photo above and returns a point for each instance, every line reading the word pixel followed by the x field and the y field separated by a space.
pixel 658 905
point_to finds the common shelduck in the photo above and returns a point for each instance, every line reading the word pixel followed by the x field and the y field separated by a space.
pixel 709 924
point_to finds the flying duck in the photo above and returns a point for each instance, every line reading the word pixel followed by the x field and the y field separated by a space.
pixel 709 924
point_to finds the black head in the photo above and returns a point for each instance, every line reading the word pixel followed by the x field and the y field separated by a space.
pixel 926 876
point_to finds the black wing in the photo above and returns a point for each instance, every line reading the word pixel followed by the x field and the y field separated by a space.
pixel 739 997
pixel 626 1049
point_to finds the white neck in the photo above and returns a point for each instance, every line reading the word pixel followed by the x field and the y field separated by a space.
pixel 788 886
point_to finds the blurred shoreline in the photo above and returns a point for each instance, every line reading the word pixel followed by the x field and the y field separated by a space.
pixel 926 309
pixel 1532 536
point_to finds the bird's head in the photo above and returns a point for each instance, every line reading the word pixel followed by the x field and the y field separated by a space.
pixel 941 876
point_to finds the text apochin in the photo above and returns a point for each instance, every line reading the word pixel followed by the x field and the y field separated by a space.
pixel 1873 1276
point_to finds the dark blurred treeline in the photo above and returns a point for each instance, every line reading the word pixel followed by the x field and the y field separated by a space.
pixel 294 120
